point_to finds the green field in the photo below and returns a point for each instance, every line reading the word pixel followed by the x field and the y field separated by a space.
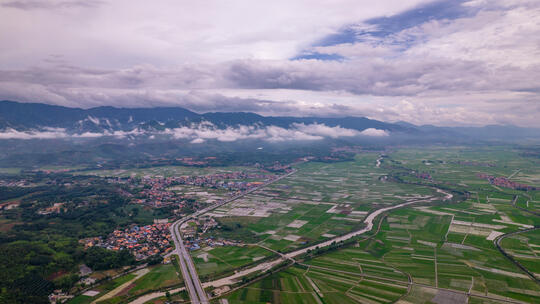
pixel 158 278
pixel 445 248
pixel 436 252
pixel 220 260
pixel 103 289
pixel 320 201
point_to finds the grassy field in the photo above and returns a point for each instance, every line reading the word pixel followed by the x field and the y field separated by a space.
pixel 103 289
pixel 311 285
pixel 525 248
pixel 159 277
pixel 211 262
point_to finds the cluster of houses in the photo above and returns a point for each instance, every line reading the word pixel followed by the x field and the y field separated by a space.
pixel 229 180
pixel 141 241
pixel 193 230
pixel 504 182
pixel 9 205
pixel 156 194
pixel 21 183
pixel 424 175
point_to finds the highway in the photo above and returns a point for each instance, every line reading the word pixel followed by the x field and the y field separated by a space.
pixel 189 281
pixel 189 273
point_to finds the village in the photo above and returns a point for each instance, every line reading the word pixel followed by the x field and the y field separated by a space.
pixel 146 241
pixel 194 230
pixel 142 241
pixel 156 191
pixel 505 182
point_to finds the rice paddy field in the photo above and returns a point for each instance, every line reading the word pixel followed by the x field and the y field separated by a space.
pixel 212 262
pixel 319 202
pixel 441 252
pixel 318 285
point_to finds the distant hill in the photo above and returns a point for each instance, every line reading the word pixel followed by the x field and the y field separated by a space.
pixel 25 116
pixel 38 117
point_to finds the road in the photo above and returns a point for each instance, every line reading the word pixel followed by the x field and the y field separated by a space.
pixel 188 276
pixel 189 272
pixel 497 243
pixel 369 225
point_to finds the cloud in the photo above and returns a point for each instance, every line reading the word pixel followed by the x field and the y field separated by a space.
pixel 55 133
pixel 374 132
pixel 323 130
pixel 47 134
pixel 50 4
pixel 468 63
pixel 197 141
pixel 202 132
pixel 120 33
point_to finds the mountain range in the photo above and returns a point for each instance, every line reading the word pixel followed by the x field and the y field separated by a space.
pixel 22 120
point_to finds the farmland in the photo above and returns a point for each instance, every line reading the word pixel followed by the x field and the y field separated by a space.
pixel 441 252
pixel 320 201
pixel 431 251
pixel 211 262
pixel 165 171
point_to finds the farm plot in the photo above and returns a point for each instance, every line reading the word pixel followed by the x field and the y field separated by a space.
pixel 356 183
pixel 158 278
pixel 319 201
pixel 415 242
pixel 215 261
pixel 446 249
pixel 525 248
pixel 102 290
pixel 301 285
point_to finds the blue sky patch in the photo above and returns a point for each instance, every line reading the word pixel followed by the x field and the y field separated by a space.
pixel 385 26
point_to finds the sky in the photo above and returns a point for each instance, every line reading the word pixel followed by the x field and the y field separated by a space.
pixel 445 63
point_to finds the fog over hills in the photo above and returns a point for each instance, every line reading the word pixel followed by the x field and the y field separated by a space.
pixel 41 121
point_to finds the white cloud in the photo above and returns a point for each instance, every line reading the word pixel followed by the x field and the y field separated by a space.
pixel 480 68
pixel 119 33
pixel 199 133
pixel 48 134
pixel 324 130
pixel 374 132
pixel 197 141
